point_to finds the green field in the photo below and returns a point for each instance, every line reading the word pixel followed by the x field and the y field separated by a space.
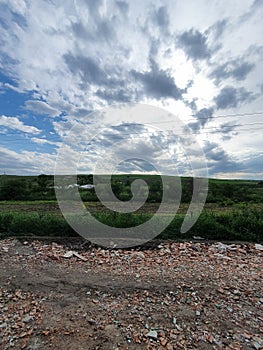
pixel 233 210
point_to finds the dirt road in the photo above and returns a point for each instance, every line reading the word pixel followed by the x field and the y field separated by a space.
pixel 176 296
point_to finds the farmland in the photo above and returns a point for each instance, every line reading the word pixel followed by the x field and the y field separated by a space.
pixel 233 208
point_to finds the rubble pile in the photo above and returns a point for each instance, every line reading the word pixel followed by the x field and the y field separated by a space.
pixel 179 295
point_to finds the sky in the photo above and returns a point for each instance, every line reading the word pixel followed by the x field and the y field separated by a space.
pixel 72 74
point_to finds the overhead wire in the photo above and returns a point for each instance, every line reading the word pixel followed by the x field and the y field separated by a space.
pixel 200 131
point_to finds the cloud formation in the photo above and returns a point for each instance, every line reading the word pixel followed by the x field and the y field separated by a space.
pixel 236 69
pixel 230 97
pixel 194 44
pixel 41 108
pixel 15 124
pixel 65 60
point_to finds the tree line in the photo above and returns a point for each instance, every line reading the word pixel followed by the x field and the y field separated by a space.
pixel 42 188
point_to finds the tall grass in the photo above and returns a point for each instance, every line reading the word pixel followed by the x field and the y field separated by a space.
pixel 14 223
pixel 244 225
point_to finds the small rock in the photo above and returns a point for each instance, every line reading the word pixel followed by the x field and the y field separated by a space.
pixel 163 341
pixel 68 254
pixel 27 318
pixel 196 247
pixel 152 334
pixel 257 346
pixel 259 246
pixel 221 256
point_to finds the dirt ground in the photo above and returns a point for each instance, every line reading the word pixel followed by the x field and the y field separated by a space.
pixel 188 295
pixel 97 207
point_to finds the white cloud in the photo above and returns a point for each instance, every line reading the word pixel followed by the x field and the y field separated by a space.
pixel 45 141
pixel 26 163
pixel 79 56
pixel 40 107
pixel 16 124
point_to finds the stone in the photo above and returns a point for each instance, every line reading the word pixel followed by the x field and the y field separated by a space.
pixel 152 334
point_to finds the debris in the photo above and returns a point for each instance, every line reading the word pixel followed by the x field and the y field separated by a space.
pixel 152 334
pixel 257 346
pixel 71 253
pixel 259 246
pixel 170 298
pixel 219 247
pixel 79 256
pixel 27 318
pixel 221 256
pixel 68 254
pixel 163 341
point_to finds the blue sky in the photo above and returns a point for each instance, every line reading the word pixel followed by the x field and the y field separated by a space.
pixel 64 62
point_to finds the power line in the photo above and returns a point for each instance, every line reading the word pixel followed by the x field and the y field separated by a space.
pixel 213 117
pixel 160 122
pixel 150 132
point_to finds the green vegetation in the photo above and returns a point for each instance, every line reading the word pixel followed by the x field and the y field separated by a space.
pixel 233 211
pixel 36 188
pixel 241 225
pixel 26 188
pixel 34 224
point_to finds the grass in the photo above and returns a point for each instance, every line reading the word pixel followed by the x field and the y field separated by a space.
pixel 33 202
pixel 243 225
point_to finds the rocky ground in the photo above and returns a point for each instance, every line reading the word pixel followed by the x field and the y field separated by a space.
pixel 190 295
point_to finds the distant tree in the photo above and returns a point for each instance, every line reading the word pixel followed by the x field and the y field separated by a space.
pixel 42 181
pixel 14 190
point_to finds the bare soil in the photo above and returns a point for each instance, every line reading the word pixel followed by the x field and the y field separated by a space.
pixel 97 207
pixel 175 296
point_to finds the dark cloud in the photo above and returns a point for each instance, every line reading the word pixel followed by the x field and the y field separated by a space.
pixel 218 160
pixel 112 85
pixel 99 27
pixel 203 116
pixel 194 44
pixel 104 30
pixel 135 164
pixel 91 72
pixel 80 31
pixel 118 95
pixel 256 6
pixel 93 6
pixel 123 6
pixel 227 130
pixel 254 163
pixel 162 17
pixel 88 68
pixel 236 69
pixel 230 97
pixel 218 28
pixel 158 83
